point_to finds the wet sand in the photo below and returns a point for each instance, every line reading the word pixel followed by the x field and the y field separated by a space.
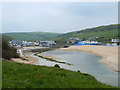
pixel 109 54
pixel 50 57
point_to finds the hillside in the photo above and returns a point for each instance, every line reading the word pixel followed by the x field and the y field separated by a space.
pixel 104 34
pixel 17 75
pixel 32 36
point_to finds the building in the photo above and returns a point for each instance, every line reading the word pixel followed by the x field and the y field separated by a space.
pixel 31 44
pixel 46 43
pixel 73 40
pixel 91 38
pixel 36 43
pixel 88 43
pixel 19 43
pixel 15 42
pixel 115 40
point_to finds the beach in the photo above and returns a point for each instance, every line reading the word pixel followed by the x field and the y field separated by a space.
pixel 26 60
pixel 25 56
pixel 109 54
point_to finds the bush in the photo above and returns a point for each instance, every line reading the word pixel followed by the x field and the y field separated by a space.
pixel 56 65
pixel 78 71
pixel 7 51
pixel 118 43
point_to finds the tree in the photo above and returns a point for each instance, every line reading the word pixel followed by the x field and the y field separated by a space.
pixel 7 51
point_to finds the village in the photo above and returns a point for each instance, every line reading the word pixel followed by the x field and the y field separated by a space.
pixel 70 41
pixel 20 43
pixel 93 41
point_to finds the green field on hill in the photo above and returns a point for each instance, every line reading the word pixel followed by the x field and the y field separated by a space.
pixel 17 75
pixel 104 34
pixel 31 36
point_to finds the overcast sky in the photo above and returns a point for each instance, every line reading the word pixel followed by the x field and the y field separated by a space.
pixel 60 17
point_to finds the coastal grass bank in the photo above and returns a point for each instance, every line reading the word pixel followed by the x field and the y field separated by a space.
pixel 18 75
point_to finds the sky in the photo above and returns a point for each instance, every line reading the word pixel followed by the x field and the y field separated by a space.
pixel 57 17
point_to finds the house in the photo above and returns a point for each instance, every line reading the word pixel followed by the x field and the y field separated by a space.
pixel 19 43
pixel 15 42
pixel 31 44
pixel 36 43
pixel 46 43
pixel 115 40
pixel 25 43
pixel 73 40
pixel 91 38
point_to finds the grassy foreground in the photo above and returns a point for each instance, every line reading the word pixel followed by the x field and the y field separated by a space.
pixel 17 75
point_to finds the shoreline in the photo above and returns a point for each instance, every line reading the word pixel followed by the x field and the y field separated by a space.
pixel 26 51
pixel 52 58
pixel 109 54
pixel 25 59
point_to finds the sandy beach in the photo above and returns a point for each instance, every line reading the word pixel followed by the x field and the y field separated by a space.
pixel 29 60
pixel 109 54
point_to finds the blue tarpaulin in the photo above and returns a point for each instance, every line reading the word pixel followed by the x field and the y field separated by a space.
pixel 81 43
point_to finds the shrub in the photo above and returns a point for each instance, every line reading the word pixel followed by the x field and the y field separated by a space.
pixel 56 65
pixel 78 71
pixel 8 52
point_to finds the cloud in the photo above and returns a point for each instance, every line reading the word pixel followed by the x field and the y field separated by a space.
pixel 59 0
pixel 56 13
pixel 56 17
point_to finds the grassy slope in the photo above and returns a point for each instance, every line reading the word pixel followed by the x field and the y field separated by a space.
pixel 32 36
pixel 105 33
pixel 16 75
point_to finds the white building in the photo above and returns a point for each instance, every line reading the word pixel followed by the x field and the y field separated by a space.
pixel 115 40
pixel 46 43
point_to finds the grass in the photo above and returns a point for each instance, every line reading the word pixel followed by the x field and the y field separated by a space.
pixel 105 34
pixel 18 75
pixel 32 36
